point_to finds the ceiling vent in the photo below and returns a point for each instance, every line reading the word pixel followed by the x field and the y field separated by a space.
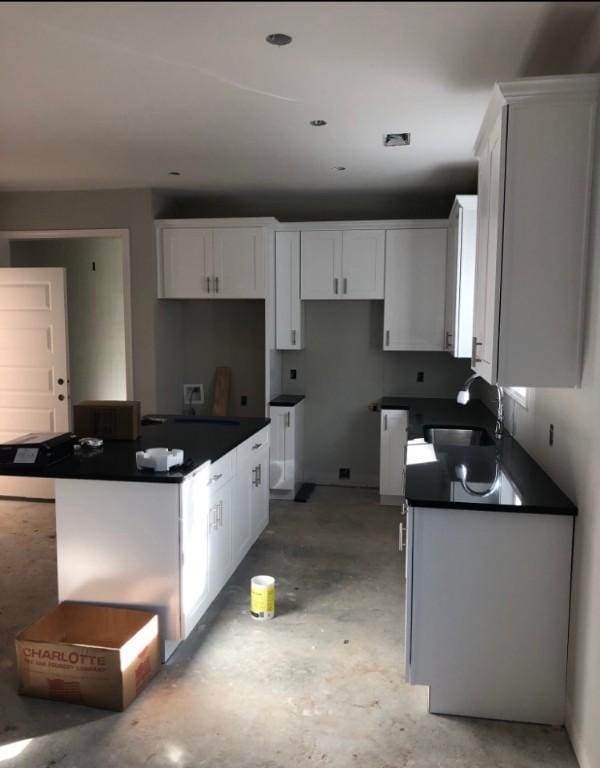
pixel 396 139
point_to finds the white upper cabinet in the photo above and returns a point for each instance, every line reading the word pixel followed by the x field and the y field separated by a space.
pixel 535 152
pixel 346 264
pixel 289 323
pixel 210 263
pixel 415 286
pixel 460 276
pixel 239 263
pixel 186 262
pixel 363 259
pixel 321 265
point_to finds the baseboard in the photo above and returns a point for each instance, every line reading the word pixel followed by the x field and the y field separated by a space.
pixel 575 738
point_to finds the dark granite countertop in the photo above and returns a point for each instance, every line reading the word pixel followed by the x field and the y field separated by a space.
pixel 287 401
pixel 434 477
pixel 201 440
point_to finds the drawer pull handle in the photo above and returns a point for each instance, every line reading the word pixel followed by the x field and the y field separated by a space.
pixel 256 446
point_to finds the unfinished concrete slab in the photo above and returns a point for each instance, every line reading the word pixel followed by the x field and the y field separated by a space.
pixel 321 684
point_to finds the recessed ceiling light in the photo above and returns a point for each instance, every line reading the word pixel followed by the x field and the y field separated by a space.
pixel 396 139
pixel 318 123
pixel 174 173
pixel 340 167
pixel 278 38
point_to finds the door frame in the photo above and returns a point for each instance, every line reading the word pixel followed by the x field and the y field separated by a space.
pixel 7 236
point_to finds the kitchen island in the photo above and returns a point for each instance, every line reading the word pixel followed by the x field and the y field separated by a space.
pixel 488 538
pixel 169 541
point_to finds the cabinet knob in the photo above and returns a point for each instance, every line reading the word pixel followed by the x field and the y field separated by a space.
pixel 61 381
pixel 61 397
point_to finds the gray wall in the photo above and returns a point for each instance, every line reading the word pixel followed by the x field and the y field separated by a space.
pixel 96 319
pixel 114 209
pixel 341 371
pixel 208 334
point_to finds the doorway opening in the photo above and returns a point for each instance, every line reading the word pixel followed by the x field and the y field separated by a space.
pixel 95 322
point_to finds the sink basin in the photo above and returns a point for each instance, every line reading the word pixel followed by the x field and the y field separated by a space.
pixel 461 436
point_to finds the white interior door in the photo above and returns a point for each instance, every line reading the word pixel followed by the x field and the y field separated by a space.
pixel 33 363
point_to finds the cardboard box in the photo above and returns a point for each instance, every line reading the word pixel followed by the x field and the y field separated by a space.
pixel 108 419
pixel 89 654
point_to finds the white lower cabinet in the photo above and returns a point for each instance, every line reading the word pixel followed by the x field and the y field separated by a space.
pixel 287 447
pixel 165 547
pixel 392 464
pixel 487 611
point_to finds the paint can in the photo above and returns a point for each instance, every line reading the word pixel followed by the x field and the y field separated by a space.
pixel 262 597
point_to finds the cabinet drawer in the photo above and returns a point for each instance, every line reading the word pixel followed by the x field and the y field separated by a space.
pixel 221 471
pixel 253 445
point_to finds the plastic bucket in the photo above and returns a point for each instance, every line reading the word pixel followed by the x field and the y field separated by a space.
pixel 262 597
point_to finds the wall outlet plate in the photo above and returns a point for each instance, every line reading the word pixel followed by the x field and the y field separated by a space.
pixel 344 473
pixel 193 394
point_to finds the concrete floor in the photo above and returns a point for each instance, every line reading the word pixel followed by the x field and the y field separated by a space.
pixel 322 684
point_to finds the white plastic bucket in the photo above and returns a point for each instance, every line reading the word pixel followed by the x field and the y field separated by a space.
pixel 262 597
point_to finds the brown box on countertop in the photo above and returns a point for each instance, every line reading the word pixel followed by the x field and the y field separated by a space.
pixel 89 654
pixel 108 419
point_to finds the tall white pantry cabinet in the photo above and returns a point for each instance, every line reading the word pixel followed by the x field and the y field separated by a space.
pixel 536 153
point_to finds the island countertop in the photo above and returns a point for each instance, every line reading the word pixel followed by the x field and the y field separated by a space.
pixel 202 440
pixel 463 477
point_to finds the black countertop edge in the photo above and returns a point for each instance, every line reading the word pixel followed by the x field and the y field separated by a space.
pixel 515 509
pixel 286 401
pixel 201 442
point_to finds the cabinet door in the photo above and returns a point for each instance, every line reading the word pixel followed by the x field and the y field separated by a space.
pixel 452 286
pixel 219 538
pixel 195 590
pixel 186 263
pixel 283 439
pixel 392 466
pixel 260 491
pixel 239 266
pixel 241 526
pixel 415 286
pixel 363 260
pixel 488 259
pixel 321 265
pixel 288 307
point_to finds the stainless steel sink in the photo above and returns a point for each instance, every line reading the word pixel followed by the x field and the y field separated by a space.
pixel 460 436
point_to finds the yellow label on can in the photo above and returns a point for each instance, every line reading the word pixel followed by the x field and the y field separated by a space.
pixel 262 601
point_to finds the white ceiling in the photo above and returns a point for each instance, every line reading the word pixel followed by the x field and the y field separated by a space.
pixel 108 95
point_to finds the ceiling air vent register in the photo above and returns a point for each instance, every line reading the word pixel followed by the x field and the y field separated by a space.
pixel 396 139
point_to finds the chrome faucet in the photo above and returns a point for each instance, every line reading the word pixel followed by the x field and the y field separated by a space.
pixel 464 396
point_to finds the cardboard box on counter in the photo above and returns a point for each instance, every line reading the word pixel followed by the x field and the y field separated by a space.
pixel 89 654
pixel 108 419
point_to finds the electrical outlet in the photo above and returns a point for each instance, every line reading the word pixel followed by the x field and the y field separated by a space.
pixel 293 373
pixel 344 473
pixel 193 394
pixel 420 376
pixel 244 400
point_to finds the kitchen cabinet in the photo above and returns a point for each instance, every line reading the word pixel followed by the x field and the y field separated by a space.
pixel 253 490
pixel 535 153
pixel 415 286
pixel 289 312
pixel 495 646
pixel 460 276
pixel 287 445
pixel 211 263
pixel 177 543
pixel 392 462
pixel 342 264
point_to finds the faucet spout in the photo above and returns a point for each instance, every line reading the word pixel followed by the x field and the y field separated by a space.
pixel 464 396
